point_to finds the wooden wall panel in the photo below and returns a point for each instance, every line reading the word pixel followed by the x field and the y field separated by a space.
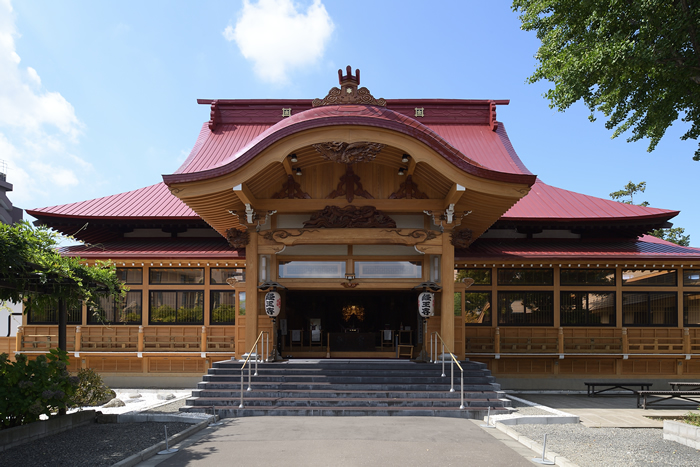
pixel 115 364
pixel 524 366
pixel 641 367
pixel 7 345
pixel 587 366
pixel 176 365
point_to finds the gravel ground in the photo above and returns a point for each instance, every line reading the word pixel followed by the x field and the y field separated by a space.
pixel 90 445
pixel 595 447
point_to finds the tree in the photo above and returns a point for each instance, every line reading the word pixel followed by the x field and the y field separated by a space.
pixel 630 190
pixel 673 235
pixel 32 270
pixel 637 62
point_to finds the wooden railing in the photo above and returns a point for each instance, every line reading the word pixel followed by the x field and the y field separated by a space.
pixel 104 338
pixel 628 341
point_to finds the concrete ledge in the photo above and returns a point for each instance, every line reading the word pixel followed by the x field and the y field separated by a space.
pixel 556 417
pixel 688 435
pixel 535 447
pixel 163 418
pixel 153 450
pixel 25 433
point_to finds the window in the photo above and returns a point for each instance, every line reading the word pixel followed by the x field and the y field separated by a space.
pixel 691 277
pixel 49 315
pixel 176 307
pixel 648 277
pixel 176 275
pixel 132 276
pixel 125 310
pixel 458 304
pixel 525 277
pixel 587 277
pixel 525 308
pixel 649 309
pixel 587 309
pixel 388 269
pixel 219 275
pixel 241 303
pixel 223 307
pixel 312 270
pixel 480 276
pixel 477 308
pixel 691 309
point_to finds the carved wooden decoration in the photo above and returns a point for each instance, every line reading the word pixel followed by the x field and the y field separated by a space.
pixel 422 235
pixel 348 153
pixel 292 190
pixel 461 238
pixel 237 238
pixel 349 285
pixel 348 92
pixel 349 186
pixel 334 217
pixel 408 190
pixel 277 235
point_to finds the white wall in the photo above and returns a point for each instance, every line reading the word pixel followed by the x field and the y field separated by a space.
pixel 6 311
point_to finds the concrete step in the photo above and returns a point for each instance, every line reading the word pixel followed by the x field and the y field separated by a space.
pixel 318 394
pixel 340 402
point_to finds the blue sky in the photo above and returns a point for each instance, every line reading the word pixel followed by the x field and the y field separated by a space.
pixel 98 98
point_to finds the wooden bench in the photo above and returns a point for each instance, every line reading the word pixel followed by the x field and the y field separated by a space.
pixel 685 385
pixel 690 396
pixel 611 385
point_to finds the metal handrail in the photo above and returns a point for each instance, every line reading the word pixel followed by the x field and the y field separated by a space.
pixel 452 367
pixel 257 357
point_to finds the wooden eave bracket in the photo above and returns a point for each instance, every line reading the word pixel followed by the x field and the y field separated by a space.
pixel 454 195
pixel 379 236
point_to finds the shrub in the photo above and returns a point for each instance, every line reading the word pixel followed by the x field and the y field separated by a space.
pixel 692 419
pixel 31 388
pixel 223 314
pixel 90 390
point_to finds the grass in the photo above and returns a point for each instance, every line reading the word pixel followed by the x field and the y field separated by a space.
pixel 691 419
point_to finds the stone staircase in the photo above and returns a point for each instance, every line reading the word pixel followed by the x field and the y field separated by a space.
pixel 348 388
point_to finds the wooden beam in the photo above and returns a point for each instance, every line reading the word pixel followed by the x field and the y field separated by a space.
pixel 312 205
pixel 245 195
pixel 411 166
pixel 454 195
pixel 287 166
pixel 376 236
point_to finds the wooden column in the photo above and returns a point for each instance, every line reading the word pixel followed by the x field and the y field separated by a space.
pixel 447 315
pixel 251 295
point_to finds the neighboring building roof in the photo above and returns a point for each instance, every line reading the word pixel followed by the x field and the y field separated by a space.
pixel 644 248
pixel 176 248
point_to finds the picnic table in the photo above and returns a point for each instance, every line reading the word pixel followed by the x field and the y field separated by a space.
pixel 643 401
pixel 611 385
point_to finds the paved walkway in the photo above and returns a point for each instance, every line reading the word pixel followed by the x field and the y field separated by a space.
pixel 610 411
pixel 348 441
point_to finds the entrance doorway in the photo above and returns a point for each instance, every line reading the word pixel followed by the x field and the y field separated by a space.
pixel 346 324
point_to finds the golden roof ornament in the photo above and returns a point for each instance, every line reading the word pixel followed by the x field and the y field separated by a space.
pixel 349 92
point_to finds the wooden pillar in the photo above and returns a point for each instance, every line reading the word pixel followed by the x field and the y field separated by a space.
pixel 686 341
pixel 78 339
pixel 447 315
pixel 139 345
pixel 18 339
pixel 497 341
pixel 625 342
pixel 561 340
pixel 251 296
pixel 204 339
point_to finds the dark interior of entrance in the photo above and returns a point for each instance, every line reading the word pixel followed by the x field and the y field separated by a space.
pixel 359 321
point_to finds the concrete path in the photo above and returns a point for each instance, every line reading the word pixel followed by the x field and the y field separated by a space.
pixel 348 441
pixel 610 411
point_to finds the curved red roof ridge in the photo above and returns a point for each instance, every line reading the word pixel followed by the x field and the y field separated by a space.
pixel 549 202
pixel 151 202
pixel 360 115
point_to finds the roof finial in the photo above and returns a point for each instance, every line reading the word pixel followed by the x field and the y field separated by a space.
pixel 349 77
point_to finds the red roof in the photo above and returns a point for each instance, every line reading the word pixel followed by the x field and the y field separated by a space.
pixel 176 248
pixel 489 143
pixel 545 202
pixel 151 202
pixel 644 248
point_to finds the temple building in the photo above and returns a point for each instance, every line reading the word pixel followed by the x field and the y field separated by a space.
pixel 350 206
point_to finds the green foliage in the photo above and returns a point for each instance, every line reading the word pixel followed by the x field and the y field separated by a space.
pixel 32 268
pixel 636 62
pixel 630 190
pixel 31 388
pixel 673 235
pixel 223 314
pixel 480 276
pixel 168 314
pixel 458 304
pixel 691 419
pixel 477 307
pixel 90 390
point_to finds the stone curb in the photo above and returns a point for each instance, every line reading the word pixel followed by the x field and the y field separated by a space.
pixel 535 447
pixel 557 417
pixel 153 450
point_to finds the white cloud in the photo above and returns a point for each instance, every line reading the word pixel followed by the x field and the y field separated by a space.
pixel 38 127
pixel 277 37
